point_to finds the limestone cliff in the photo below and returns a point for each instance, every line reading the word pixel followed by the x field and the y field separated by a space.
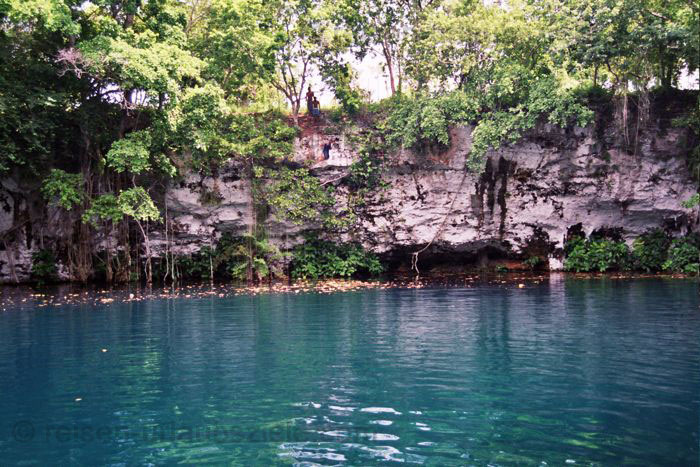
pixel 530 195
pixel 527 199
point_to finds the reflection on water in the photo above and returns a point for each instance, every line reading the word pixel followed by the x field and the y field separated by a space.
pixel 601 371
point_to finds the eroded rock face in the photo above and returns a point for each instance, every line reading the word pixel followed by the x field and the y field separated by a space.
pixel 525 202
pixel 27 226
pixel 201 208
pixel 529 196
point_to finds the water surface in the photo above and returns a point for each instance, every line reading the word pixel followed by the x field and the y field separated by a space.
pixel 580 372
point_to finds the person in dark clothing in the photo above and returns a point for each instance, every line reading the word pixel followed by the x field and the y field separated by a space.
pixel 310 100
pixel 326 151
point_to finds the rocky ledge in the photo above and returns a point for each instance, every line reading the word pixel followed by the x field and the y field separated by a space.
pixel 529 198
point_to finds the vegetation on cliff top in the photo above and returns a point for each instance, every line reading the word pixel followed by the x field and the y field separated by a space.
pixel 109 100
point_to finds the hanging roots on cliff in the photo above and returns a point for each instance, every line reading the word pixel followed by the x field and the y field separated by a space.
pixel 415 254
pixel 622 116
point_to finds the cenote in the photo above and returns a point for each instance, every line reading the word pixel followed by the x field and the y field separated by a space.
pixel 601 372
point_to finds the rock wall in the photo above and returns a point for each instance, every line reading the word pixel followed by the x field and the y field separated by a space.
pixel 529 197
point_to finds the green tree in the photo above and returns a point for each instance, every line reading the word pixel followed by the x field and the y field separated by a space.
pixel 385 28
pixel 296 45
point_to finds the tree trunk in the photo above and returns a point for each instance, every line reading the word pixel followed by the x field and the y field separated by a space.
pixel 147 246
pixel 253 224
pixel 109 275
pixel 390 69
pixel 295 112
pixel 211 262
pixel 595 76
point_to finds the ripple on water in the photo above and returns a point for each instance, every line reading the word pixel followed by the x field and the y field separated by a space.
pixel 591 372
pixel 380 410
pixel 381 422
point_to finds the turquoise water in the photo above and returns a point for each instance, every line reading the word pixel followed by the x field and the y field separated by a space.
pixel 596 372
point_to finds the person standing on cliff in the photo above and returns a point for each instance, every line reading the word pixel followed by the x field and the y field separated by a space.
pixel 310 100
pixel 316 106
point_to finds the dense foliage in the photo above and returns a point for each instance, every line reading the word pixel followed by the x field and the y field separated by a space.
pixel 649 251
pixel 318 259
pixel 109 101
pixel 684 256
pixel 44 269
pixel 596 255
pixel 231 258
pixel 654 251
